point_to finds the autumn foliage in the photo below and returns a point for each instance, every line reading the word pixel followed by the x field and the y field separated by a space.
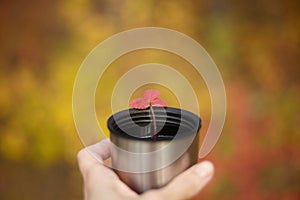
pixel 255 44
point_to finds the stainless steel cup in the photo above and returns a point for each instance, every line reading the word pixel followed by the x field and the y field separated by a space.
pixel 144 160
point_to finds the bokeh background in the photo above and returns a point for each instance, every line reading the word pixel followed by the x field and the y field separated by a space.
pixel 255 44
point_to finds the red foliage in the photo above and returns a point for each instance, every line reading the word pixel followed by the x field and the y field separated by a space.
pixel 150 99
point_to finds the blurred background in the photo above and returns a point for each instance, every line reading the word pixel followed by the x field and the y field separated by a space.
pixel 255 44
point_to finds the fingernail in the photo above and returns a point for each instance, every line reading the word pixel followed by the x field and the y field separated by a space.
pixel 205 169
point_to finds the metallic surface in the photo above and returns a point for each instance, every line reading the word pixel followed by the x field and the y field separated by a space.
pixel 141 182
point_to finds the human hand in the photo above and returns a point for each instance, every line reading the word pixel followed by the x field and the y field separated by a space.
pixel 100 182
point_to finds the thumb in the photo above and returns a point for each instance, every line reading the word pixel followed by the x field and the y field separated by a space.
pixel 187 184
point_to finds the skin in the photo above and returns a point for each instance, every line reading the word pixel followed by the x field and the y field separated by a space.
pixel 100 182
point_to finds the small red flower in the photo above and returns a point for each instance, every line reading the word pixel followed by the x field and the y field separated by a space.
pixel 150 99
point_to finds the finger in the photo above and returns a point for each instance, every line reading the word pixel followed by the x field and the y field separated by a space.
pixel 100 150
pixel 93 155
pixel 96 177
pixel 99 179
pixel 185 185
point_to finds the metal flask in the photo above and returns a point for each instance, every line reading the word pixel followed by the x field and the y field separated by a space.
pixel 144 160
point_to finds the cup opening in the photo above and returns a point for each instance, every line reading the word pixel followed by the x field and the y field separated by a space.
pixel 138 124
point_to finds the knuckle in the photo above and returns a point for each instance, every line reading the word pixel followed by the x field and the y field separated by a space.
pixel 81 154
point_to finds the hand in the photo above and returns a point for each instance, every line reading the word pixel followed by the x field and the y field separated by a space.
pixel 100 182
